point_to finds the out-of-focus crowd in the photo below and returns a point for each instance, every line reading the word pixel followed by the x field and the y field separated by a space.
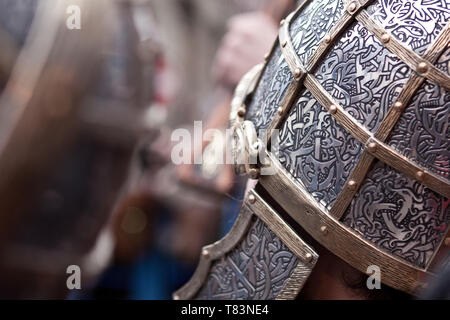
pixel 199 50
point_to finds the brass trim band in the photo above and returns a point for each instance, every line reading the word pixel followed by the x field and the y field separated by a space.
pixel 420 65
pixel 336 237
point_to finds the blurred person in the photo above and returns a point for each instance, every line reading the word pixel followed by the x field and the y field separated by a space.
pixel 180 209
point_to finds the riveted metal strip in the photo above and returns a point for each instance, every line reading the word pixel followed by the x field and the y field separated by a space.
pixel 420 65
pixel 336 237
pixel 254 209
pixel 412 85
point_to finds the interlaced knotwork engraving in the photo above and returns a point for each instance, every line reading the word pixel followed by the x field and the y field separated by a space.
pixel 363 76
pixel 399 215
pixel 415 23
pixel 316 150
pixel 257 268
pixel 312 25
pixel 271 89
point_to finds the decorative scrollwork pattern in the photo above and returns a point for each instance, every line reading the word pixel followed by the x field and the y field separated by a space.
pixel 316 150
pixel 313 24
pixel 423 132
pixel 415 23
pixel 270 92
pixel 363 76
pixel 257 268
pixel 399 215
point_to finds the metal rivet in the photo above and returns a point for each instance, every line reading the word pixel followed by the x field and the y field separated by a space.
pixel 447 242
pixel 333 109
pixel 327 38
pixel 351 7
pixel 372 147
pixel 308 257
pixel 385 38
pixel 352 185
pixel 241 112
pixel 280 111
pixel 267 56
pixel 297 72
pixel 419 175
pixel 205 253
pixel 324 229
pixel 398 106
pixel 253 174
pixel 251 199
pixel 282 22
pixel 284 43
pixel 422 67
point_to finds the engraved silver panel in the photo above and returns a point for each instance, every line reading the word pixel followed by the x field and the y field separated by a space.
pixel 443 62
pixel 415 23
pixel 362 76
pixel 270 92
pixel 423 132
pixel 316 150
pixel 399 215
pixel 257 269
pixel 313 24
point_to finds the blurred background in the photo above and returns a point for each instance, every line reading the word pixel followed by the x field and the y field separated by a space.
pixel 91 92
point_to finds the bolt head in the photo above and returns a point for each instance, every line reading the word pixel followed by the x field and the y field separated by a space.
pixel 372 147
pixel 398 106
pixel 282 22
pixel 308 257
pixel 205 253
pixel 251 199
pixel 324 229
pixel 280 111
pixel 422 68
pixel 352 185
pixel 241 112
pixel 333 109
pixel 327 39
pixel 385 38
pixel 253 174
pixel 297 72
pixel 351 7
pixel 420 175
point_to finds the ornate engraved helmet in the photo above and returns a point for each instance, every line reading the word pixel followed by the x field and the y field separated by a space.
pixel 359 93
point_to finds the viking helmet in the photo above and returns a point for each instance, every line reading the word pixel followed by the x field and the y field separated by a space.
pixel 356 93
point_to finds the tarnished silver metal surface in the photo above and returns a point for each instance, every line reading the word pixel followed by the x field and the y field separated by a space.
pixel 363 76
pixel 415 23
pixel 312 25
pixel 271 89
pixel 423 132
pixel 399 215
pixel 316 150
pixel 257 268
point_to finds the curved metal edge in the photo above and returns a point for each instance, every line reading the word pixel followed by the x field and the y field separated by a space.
pixel 339 239
pixel 254 206
pixel 212 252
pixel 245 87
